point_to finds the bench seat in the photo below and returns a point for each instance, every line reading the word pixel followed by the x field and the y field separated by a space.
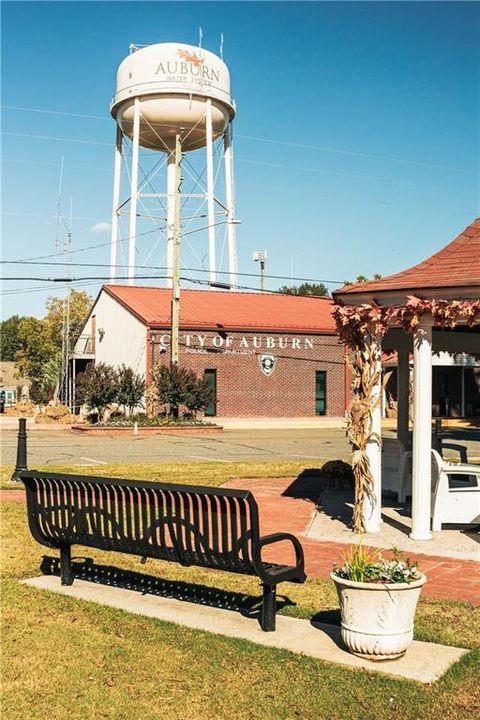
pixel 208 527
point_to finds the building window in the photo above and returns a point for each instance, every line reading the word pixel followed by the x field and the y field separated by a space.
pixel 320 392
pixel 211 377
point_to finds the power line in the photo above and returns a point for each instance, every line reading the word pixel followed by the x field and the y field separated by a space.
pixel 99 278
pixel 52 137
pixel 55 112
pixel 45 288
pixel 299 168
pixel 163 267
pixel 89 247
pixel 45 162
pixel 274 141
pixel 253 162
pixel 285 166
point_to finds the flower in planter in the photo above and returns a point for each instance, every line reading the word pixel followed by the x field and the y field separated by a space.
pixel 364 565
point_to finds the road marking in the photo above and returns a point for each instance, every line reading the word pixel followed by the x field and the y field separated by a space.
pixel 313 457
pixel 99 462
pixel 203 457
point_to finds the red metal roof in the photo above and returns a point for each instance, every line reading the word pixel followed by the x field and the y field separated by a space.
pixel 456 265
pixel 208 309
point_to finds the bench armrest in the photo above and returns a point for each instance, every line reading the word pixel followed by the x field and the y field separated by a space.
pixel 279 537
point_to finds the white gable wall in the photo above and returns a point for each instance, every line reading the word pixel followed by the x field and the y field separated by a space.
pixel 124 336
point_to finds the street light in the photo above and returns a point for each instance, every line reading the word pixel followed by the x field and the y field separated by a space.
pixel 260 256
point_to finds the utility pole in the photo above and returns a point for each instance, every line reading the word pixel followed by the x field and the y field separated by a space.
pixel 176 256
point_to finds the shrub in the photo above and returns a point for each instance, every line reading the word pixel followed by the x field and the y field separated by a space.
pixel 97 387
pixel 176 386
pixel 131 389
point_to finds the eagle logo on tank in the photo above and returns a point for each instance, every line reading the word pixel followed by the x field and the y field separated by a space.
pixel 268 363
pixel 190 57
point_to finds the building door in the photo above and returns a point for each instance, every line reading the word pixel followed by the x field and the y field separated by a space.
pixel 320 392
pixel 211 378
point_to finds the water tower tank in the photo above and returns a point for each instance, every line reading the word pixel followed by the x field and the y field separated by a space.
pixel 173 83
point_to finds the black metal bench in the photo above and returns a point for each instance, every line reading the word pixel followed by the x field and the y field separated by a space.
pixel 202 526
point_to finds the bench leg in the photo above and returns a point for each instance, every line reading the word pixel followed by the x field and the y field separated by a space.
pixel 66 574
pixel 269 607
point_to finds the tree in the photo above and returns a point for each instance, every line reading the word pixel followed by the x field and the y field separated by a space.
pixel 80 306
pixel 131 388
pixel 97 387
pixel 49 382
pixel 35 348
pixel 362 279
pixel 317 289
pixel 178 386
pixel 9 337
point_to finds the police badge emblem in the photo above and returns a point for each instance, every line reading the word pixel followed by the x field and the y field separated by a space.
pixel 268 363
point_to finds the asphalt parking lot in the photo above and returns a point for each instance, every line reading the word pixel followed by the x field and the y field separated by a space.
pixel 60 447
pixel 64 447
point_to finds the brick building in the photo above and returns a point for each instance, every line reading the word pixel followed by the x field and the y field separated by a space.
pixel 264 354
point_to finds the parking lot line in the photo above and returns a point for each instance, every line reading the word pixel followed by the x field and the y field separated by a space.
pixel 99 462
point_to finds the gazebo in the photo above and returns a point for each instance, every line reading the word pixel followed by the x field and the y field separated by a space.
pixel 431 307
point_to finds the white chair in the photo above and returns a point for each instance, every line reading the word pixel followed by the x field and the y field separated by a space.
pixel 455 493
pixel 396 464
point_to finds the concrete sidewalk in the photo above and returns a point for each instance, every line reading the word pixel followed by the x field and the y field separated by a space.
pixel 266 423
pixel 423 662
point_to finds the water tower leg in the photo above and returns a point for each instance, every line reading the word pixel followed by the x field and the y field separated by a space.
pixel 210 193
pixel 134 193
pixel 171 179
pixel 117 170
pixel 230 203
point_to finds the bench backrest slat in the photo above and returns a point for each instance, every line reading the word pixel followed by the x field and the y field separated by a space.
pixel 212 527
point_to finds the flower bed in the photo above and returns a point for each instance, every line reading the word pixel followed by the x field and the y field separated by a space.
pixel 165 428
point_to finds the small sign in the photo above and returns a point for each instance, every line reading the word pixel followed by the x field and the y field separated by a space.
pixel 268 363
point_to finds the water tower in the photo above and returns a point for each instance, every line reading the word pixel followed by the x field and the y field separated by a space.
pixel 163 91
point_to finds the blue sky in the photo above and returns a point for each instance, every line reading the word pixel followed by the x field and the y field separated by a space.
pixel 356 136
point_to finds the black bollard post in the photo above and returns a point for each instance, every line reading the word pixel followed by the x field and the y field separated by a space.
pixel 21 448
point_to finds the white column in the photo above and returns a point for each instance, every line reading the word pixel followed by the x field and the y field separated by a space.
pixel 117 172
pixel 171 179
pixel 403 376
pixel 422 430
pixel 134 193
pixel 230 203
pixel 210 193
pixel 372 509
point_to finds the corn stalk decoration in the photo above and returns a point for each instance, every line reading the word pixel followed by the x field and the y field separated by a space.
pixel 360 328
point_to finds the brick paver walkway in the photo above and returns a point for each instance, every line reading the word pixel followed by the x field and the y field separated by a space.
pixel 448 578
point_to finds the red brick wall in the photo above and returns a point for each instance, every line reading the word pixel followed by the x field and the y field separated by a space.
pixel 242 388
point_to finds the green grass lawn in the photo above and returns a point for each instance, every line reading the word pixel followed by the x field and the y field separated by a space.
pixel 201 473
pixel 64 659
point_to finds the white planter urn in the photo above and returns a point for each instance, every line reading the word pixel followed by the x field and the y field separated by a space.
pixel 377 618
